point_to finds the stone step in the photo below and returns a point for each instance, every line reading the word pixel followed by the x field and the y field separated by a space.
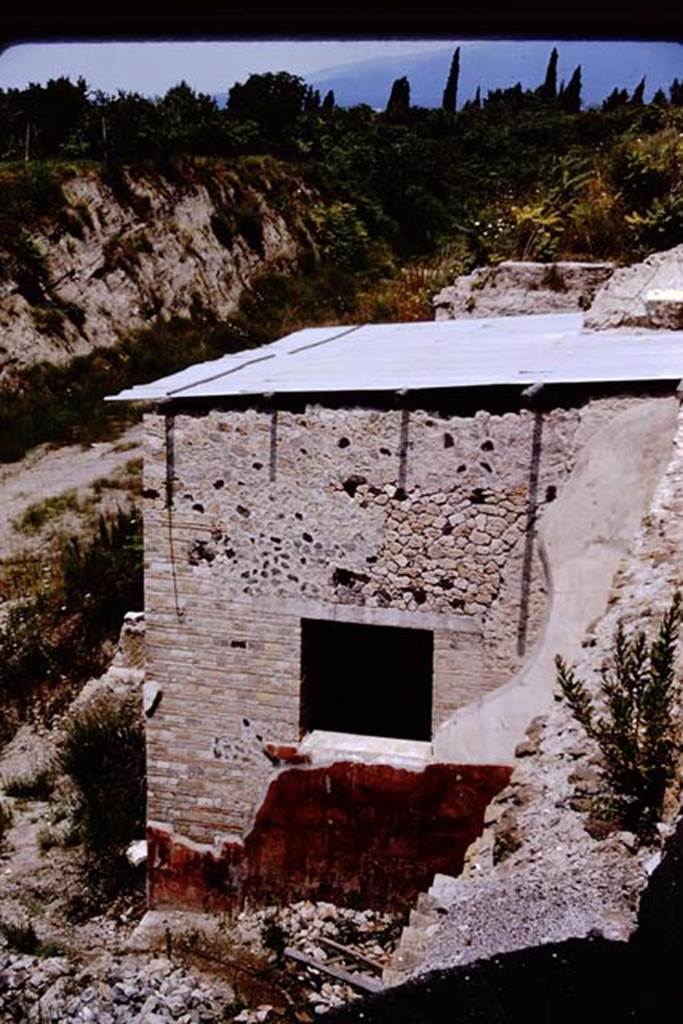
pixel 418 919
pixel 426 904
pixel 442 889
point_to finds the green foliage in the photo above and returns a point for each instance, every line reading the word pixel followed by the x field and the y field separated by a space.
pixel 649 167
pixel 273 102
pixel 223 228
pixel 38 513
pixel 116 177
pixel 46 839
pixel 56 639
pixel 660 227
pixel 123 251
pixel 6 822
pixel 273 936
pixel 342 236
pixel 102 577
pixel 103 753
pixel 249 224
pixel 20 936
pixel 636 732
pixel 36 785
pixel 72 409
pixel 48 319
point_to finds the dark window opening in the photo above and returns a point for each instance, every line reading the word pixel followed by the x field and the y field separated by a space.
pixel 368 680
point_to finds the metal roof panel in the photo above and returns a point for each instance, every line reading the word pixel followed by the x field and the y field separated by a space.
pixel 550 348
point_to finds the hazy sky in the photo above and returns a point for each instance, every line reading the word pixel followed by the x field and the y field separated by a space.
pixel 152 68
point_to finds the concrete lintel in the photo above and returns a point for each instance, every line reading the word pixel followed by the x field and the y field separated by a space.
pixel 324 747
pixel 363 615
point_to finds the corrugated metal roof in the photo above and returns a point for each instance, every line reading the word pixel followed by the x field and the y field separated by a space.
pixel 544 348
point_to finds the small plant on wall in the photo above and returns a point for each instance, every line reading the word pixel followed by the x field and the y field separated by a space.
pixel 636 731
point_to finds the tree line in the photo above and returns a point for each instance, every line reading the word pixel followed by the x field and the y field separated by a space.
pixel 272 112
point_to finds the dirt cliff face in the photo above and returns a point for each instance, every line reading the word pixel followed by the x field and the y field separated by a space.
pixel 130 246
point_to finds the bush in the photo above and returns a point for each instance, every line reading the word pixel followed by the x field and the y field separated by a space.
pixel 6 822
pixel 636 734
pixel 20 936
pixel 249 224
pixel 52 642
pixel 46 839
pixel 273 936
pixel 103 753
pixel 342 235
pixel 38 513
pixel 36 786
pixel 223 228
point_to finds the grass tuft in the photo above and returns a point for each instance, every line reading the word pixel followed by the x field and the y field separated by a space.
pixel 36 786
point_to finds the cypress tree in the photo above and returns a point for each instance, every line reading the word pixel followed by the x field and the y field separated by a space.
pixel 571 97
pixel 450 93
pixel 659 98
pixel 477 98
pixel 399 99
pixel 676 93
pixel 638 93
pixel 617 98
pixel 548 90
pixel 328 102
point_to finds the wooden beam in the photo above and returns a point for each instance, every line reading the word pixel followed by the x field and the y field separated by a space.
pixel 359 981
pixel 337 947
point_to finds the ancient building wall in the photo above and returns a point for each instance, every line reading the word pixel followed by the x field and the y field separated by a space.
pixel 391 517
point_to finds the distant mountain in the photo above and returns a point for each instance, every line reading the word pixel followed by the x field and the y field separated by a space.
pixel 493 64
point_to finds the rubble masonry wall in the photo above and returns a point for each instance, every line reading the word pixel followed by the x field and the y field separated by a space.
pixel 394 517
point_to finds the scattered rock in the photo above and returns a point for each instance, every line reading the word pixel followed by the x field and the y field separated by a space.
pixel 137 853
pixel 516 287
pixel 507 836
pixel 586 781
pixel 107 992
pixel 626 299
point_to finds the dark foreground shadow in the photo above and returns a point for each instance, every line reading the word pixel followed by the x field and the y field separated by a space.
pixel 581 981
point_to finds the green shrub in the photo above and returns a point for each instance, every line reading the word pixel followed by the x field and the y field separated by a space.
pixel 73 312
pixel 71 223
pixel 49 319
pixel 249 224
pixel 46 839
pixel 273 936
pixel 122 252
pixel 637 731
pixel 20 936
pixel 103 576
pixel 223 228
pixel 343 237
pixel 38 513
pixel 103 753
pixel 115 176
pixel 6 822
pixel 32 786
pixel 53 641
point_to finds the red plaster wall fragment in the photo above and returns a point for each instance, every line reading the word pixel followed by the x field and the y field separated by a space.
pixel 369 835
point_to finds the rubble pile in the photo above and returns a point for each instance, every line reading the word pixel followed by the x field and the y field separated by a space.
pixel 54 989
pixel 308 927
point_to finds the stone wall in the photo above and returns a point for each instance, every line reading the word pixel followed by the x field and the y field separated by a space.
pixel 550 865
pixel 393 517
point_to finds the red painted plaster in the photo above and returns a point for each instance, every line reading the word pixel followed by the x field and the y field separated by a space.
pixel 369 835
